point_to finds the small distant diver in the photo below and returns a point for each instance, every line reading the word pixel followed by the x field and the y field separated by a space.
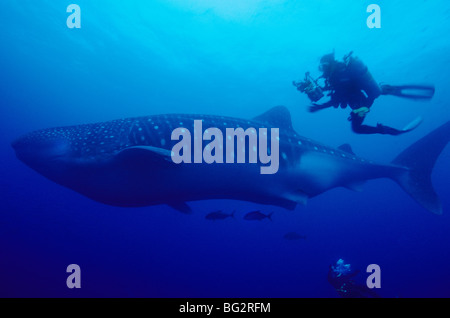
pixel 219 215
pixel 257 216
pixel 293 236
pixel 341 277
pixel 350 83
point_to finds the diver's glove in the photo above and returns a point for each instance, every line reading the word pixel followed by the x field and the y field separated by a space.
pixel 316 107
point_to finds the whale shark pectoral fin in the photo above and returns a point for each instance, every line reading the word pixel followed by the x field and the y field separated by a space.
pixel 297 196
pixel 181 207
pixel 145 154
pixel 355 186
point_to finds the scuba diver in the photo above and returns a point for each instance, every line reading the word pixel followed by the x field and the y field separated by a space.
pixel 350 84
pixel 340 276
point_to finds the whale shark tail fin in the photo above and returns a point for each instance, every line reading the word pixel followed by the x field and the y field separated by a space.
pixel 417 162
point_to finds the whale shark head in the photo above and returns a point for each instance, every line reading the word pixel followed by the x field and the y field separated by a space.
pixel 42 149
pixel 47 151
pixel 72 144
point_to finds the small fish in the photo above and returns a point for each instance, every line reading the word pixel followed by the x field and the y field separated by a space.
pixel 257 216
pixel 218 215
pixel 294 236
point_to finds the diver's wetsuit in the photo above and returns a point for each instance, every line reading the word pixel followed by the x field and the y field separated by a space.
pixel 351 84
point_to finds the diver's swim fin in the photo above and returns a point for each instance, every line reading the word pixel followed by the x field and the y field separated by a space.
pixel 413 125
pixel 386 130
pixel 409 91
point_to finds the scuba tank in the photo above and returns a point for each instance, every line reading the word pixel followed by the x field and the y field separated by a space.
pixel 359 72
pixel 357 69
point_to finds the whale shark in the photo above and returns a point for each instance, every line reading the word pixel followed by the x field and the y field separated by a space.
pixel 127 163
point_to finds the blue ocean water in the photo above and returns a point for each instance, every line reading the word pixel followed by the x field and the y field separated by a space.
pixel 234 58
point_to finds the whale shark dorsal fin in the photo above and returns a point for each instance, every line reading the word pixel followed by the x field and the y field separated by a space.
pixel 278 117
pixel 346 148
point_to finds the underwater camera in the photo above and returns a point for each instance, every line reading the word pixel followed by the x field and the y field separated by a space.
pixel 310 87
